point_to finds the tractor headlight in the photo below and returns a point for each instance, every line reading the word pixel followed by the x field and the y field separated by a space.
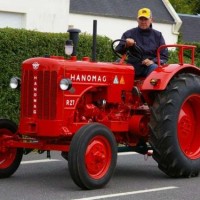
pixel 69 47
pixel 15 82
pixel 65 84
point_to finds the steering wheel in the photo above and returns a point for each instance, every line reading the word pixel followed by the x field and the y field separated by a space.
pixel 134 52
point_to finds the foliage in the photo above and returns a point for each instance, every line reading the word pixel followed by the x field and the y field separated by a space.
pixel 173 55
pixel 18 45
pixel 186 6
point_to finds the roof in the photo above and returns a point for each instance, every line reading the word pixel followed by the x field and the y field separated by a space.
pixel 121 8
pixel 190 29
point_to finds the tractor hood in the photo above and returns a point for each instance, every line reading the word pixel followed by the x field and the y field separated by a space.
pixel 84 71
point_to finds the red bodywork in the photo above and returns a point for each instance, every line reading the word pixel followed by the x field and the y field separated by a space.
pixel 107 93
pixel 60 113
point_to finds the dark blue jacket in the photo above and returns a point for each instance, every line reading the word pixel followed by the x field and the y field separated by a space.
pixel 148 40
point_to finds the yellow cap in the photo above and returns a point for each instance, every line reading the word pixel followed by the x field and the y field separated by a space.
pixel 144 12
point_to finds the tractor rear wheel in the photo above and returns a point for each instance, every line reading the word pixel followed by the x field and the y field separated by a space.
pixel 92 156
pixel 10 158
pixel 175 127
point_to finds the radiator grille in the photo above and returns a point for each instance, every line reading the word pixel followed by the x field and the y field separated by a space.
pixel 46 94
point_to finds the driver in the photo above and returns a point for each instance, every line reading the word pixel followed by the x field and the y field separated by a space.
pixel 148 39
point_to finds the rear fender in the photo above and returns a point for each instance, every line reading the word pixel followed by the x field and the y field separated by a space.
pixel 159 78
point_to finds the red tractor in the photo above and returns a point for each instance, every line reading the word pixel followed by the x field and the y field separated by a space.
pixel 91 110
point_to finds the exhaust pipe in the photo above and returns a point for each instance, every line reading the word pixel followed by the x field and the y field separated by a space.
pixel 94 42
pixel 74 36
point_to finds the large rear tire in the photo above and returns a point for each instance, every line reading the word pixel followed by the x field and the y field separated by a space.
pixel 175 127
pixel 92 156
pixel 10 158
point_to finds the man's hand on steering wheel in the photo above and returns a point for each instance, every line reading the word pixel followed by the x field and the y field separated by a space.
pixel 131 50
pixel 130 42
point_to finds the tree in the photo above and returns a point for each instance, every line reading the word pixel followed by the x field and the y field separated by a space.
pixel 186 6
pixel 197 7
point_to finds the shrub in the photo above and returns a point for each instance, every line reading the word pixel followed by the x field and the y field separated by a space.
pixel 18 45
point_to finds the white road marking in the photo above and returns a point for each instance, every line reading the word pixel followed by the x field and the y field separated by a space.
pixel 39 161
pixel 53 160
pixel 126 153
pixel 128 193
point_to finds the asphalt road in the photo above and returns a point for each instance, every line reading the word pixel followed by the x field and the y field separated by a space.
pixel 135 178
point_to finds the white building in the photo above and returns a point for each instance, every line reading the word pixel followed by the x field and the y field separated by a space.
pixel 116 16
pixel 113 16
pixel 39 15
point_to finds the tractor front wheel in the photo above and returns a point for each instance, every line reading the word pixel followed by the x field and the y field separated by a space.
pixel 10 158
pixel 92 156
pixel 175 127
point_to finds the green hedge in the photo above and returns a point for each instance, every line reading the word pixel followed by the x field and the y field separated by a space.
pixel 17 45
pixel 173 55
